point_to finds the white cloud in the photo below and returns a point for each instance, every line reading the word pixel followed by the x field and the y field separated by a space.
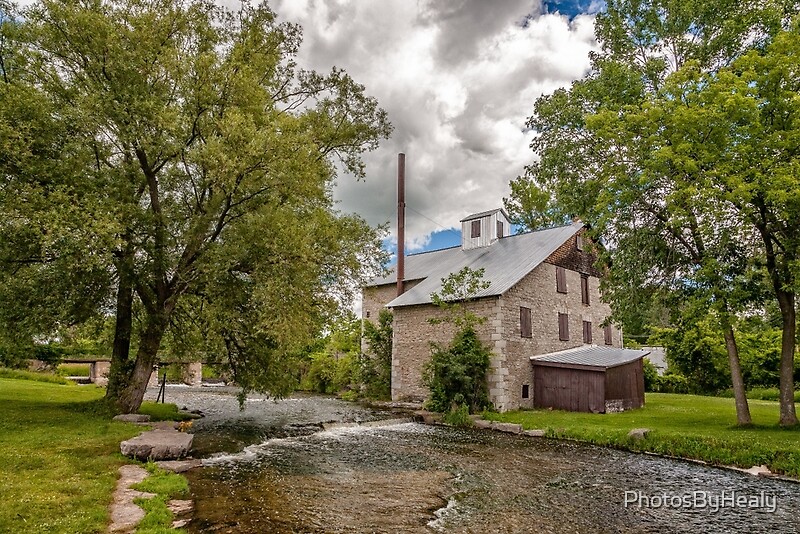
pixel 458 81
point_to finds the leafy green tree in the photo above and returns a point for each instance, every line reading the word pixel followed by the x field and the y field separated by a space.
pixel 376 362
pixel 166 162
pixel 624 150
pixel 456 373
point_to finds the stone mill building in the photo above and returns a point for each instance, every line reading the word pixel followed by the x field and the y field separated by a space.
pixel 544 318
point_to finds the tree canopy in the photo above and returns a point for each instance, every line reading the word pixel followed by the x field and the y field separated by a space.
pixel 167 162
pixel 676 150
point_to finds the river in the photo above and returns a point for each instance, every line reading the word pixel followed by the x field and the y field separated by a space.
pixel 274 468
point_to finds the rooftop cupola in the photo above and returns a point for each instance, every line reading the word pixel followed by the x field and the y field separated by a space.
pixel 483 229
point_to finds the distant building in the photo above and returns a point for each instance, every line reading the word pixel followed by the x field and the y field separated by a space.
pixel 543 297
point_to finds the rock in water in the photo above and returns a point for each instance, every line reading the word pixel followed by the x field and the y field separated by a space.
pixel 158 445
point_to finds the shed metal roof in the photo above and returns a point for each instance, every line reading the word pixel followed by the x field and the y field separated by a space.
pixel 590 356
pixel 484 214
pixel 505 263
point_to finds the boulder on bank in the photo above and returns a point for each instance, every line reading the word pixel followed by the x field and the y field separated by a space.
pixel 510 428
pixel 638 433
pixel 132 418
pixel 158 445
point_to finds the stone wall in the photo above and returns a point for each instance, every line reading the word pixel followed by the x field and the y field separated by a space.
pixel 413 334
pixel 582 261
pixel 373 300
pixel 537 291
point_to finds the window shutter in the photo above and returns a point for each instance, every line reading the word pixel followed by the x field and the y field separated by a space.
pixel 585 289
pixel 607 334
pixel 563 327
pixel 476 228
pixel 587 331
pixel 561 280
pixel 525 322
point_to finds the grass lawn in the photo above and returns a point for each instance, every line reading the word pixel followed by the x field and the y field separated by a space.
pixel 59 455
pixel 689 426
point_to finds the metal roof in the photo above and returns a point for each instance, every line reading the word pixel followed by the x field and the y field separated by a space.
pixel 590 356
pixel 484 214
pixel 505 262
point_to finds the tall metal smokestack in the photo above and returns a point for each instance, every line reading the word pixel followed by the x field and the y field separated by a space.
pixel 401 222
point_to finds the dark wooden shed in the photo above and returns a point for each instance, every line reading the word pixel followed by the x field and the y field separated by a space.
pixel 589 379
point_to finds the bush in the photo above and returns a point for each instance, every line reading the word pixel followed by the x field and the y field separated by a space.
pixel 12 357
pixel 375 371
pixel 326 374
pixel 458 417
pixel 650 375
pixel 672 383
pixel 456 374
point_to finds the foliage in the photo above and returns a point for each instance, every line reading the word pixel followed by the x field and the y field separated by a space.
pixel 532 207
pixel 654 149
pixel 457 290
pixel 672 382
pixel 456 374
pixel 332 366
pixel 458 417
pixel 169 162
pixel 328 374
pixel 686 426
pixel 650 375
pixel 696 352
pixel 59 456
pixel 376 362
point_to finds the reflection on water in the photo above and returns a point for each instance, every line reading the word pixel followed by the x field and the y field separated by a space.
pixel 272 468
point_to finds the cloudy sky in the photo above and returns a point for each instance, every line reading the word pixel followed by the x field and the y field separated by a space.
pixel 458 79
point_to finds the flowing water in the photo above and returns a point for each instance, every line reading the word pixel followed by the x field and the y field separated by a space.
pixel 275 468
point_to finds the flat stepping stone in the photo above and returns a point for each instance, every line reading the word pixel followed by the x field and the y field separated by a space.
pixel 158 445
pixel 125 515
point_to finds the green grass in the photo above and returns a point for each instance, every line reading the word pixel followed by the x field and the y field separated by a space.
pixel 18 374
pixel 162 412
pixel 162 482
pixel 73 369
pixel 59 456
pixel 166 486
pixel 688 426
pixel 770 394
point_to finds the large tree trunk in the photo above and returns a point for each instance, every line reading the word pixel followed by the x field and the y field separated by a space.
pixel 121 365
pixel 786 302
pixel 739 393
pixel 130 395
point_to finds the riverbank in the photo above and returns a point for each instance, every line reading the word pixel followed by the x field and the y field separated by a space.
pixel 684 426
pixel 59 456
